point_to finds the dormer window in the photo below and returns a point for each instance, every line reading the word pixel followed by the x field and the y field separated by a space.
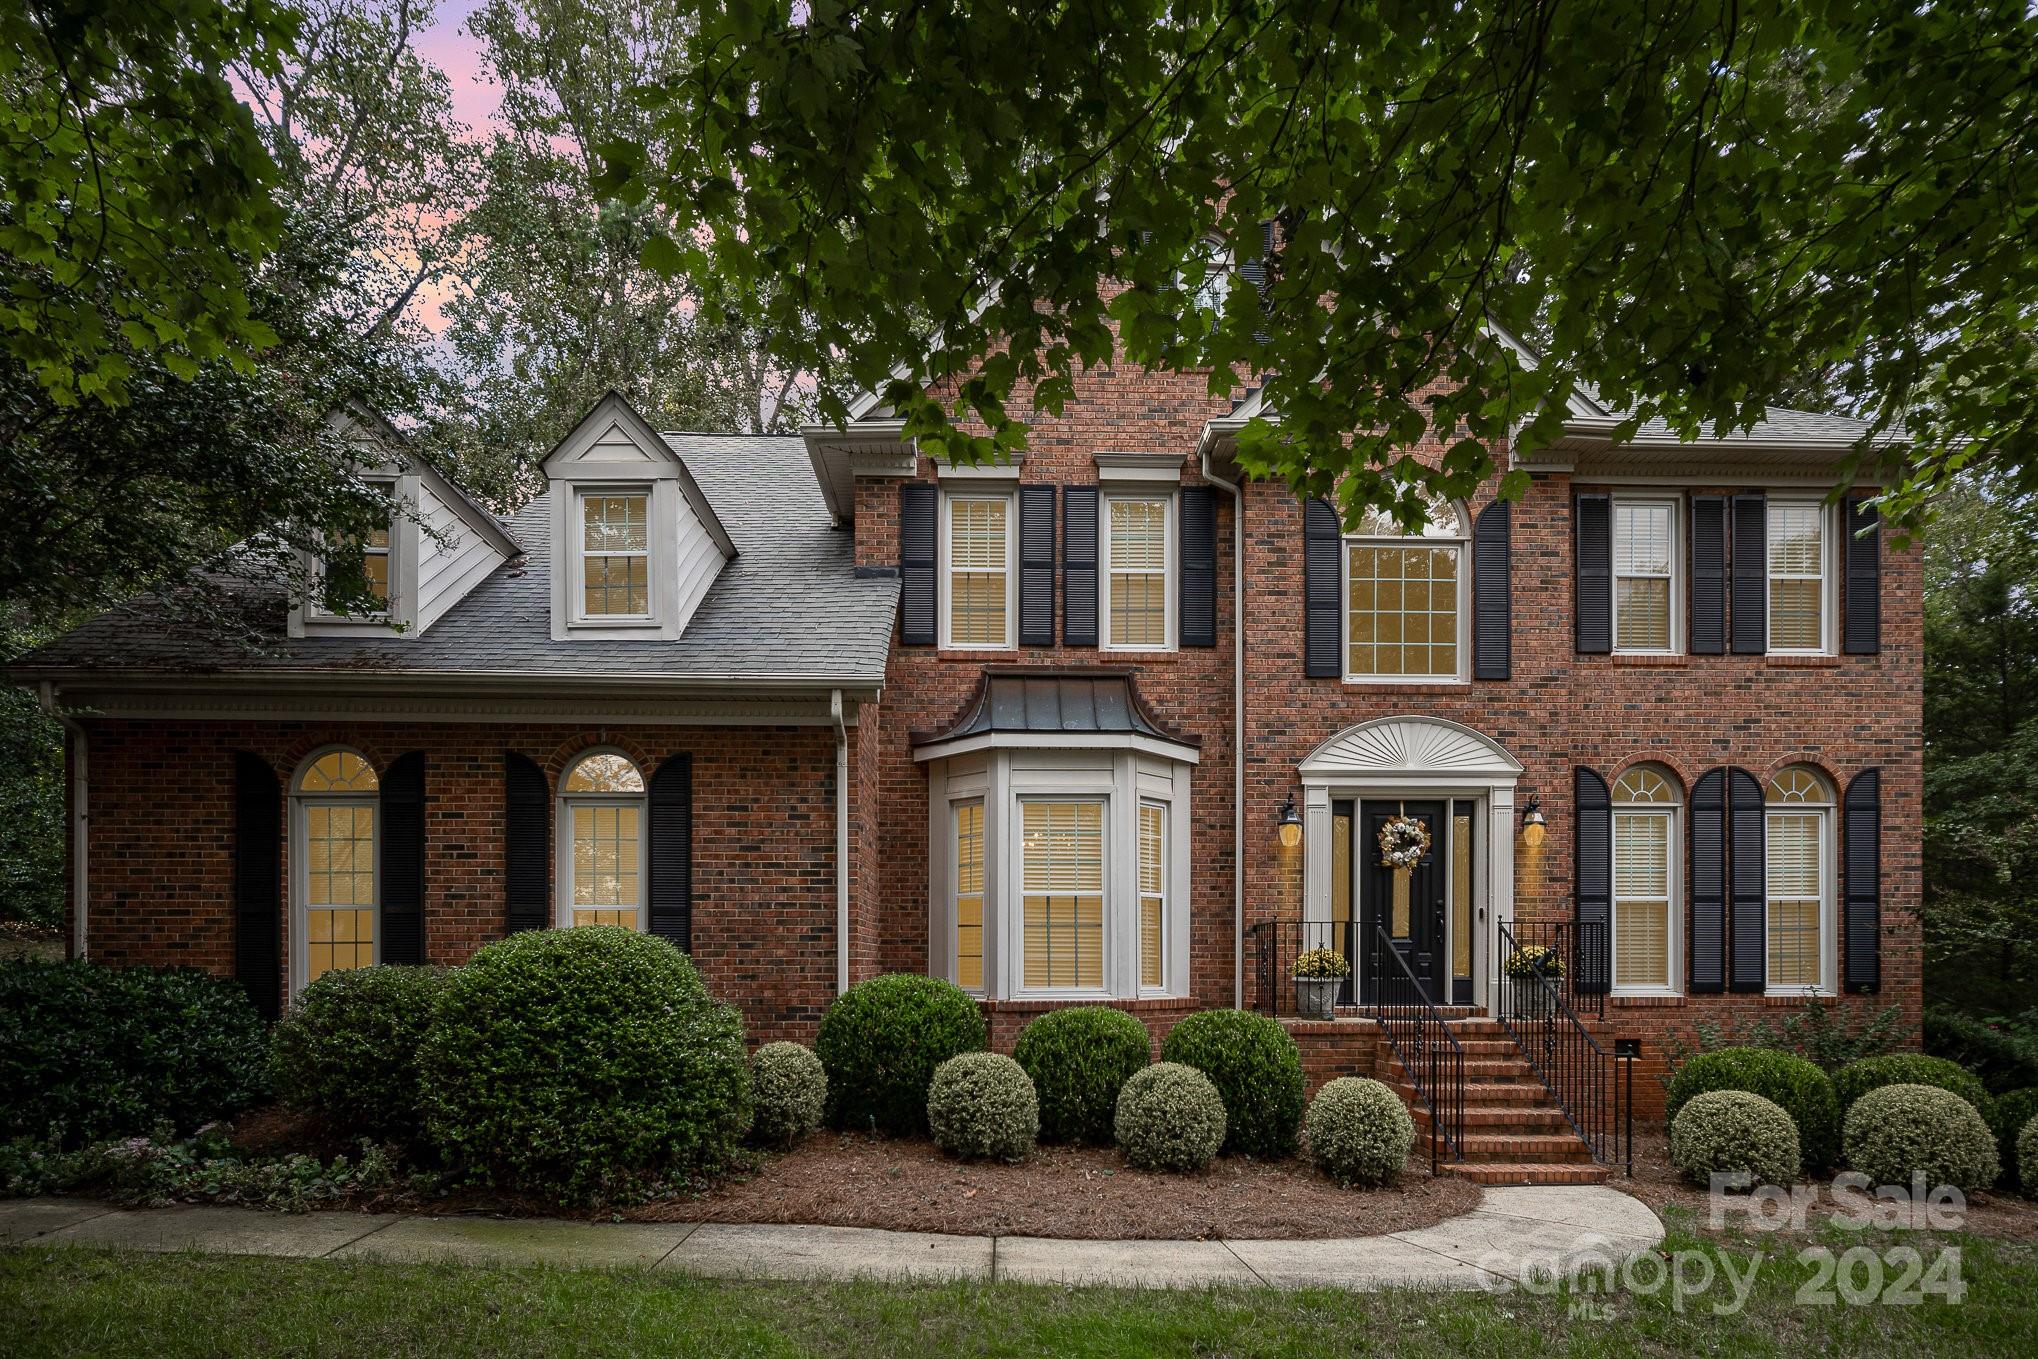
pixel 365 562
pixel 615 554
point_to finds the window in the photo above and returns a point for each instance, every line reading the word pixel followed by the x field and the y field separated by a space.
pixel 1062 865
pixel 602 868
pixel 1797 880
pixel 1644 556
pixel 1405 597
pixel 335 824
pixel 1137 603
pixel 980 544
pixel 1797 575
pixel 369 558
pixel 615 555
pixel 1208 279
pixel 969 895
pixel 1645 856
pixel 1153 893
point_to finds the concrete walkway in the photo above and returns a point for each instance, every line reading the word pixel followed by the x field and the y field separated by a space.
pixel 1513 1231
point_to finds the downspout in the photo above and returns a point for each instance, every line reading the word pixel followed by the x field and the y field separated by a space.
pixel 81 786
pixel 841 841
pixel 1237 494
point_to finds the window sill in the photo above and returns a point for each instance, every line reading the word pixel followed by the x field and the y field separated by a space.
pixel 1036 1004
pixel 1403 686
pixel 605 624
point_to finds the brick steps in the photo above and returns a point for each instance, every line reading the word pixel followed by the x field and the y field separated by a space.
pixel 1502 1172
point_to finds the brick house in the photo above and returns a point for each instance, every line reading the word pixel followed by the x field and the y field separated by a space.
pixel 1113 724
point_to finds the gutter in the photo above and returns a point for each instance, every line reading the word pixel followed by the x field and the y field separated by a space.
pixel 1237 493
pixel 835 715
pixel 81 845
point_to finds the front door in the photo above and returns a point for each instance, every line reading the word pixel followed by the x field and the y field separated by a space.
pixel 1407 903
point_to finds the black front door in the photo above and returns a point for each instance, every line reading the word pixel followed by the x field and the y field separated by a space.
pixel 1407 903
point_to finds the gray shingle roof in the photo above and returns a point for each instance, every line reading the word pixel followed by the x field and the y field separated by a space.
pixel 789 607
pixel 1779 424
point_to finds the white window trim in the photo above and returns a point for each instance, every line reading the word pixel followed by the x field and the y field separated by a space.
pixel 1167 894
pixel 1676 575
pixel 1169 568
pixel 1829 583
pixel 1673 934
pixel 563 839
pixel 1828 904
pixel 300 859
pixel 954 973
pixel 576 599
pixel 1012 914
pixel 946 574
pixel 1462 542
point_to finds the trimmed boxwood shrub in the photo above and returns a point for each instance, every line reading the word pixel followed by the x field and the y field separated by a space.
pixel 89 1052
pixel 347 1049
pixel 880 1042
pixel 788 1093
pixel 1897 1131
pixel 1257 1070
pixel 1359 1131
pixel 1079 1060
pixel 573 1063
pixel 1731 1132
pixel 981 1105
pixel 2012 1112
pixel 1856 1079
pixel 2027 1156
pixel 1169 1117
pixel 1791 1083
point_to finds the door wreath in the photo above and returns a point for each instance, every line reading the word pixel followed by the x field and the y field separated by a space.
pixel 1403 842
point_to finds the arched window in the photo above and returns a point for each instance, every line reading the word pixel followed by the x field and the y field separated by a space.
pixel 602 856
pixel 1798 879
pixel 335 843
pixel 1405 596
pixel 1645 858
pixel 1208 278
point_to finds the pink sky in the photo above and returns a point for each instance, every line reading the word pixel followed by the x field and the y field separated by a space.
pixel 448 46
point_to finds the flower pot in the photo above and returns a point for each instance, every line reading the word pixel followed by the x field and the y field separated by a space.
pixel 1316 997
pixel 1529 999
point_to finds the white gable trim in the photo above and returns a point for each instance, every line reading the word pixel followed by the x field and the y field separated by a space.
pixel 613 442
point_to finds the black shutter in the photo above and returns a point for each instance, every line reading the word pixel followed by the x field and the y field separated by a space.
pixel 1198 526
pixel 1492 607
pixel 1594 811
pixel 1863 618
pixel 527 844
pixel 1750 899
pixel 1751 574
pixel 1259 270
pixel 919 518
pixel 1322 589
pixel 1036 566
pixel 1861 925
pixel 1708 936
pixel 1594 574
pixel 1079 566
pixel 1708 575
pixel 258 901
pixel 671 808
pixel 403 860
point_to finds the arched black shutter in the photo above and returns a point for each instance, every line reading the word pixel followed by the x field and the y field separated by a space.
pixel 1751 574
pixel 1492 607
pixel 258 902
pixel 919 515
pixel 1749 923
pixel 1708 937
pixel 1861 927
pixel 1862 621
pixel 1198 527
pixel 1322 588
pixel 527 844
pixel 1708 575
pixel 671 807
pixel 1079 565
pixel 1594 812
pixel 403 860
pixel 1036 566
pixel 1593 609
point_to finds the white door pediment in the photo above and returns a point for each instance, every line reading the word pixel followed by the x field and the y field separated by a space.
pixel 1410 747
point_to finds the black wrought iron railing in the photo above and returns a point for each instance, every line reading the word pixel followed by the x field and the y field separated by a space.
pixel 1584 949
pixel 1566 1058
pixel 1276 944
pixel 1430 1053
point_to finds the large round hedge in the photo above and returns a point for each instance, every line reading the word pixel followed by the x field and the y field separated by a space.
pixel 571 1062
pixel 981 1106
pixel 1731 1132
pixel 1079 1060
pixel 2027 1156
pixel 1169 1117
pixel 788 1093
pixel 2012 1112
pixel 1895 1132
pixel 89 1053
pixel 1856 1079
pixel 1257 1070
pixel 1791 1083
pixel 1359 1131
pixel 880 1042
pixel 347 1050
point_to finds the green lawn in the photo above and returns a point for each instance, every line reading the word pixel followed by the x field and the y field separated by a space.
pixel 59 1301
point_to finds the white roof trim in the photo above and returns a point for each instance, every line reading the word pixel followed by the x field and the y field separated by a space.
pixel 612 409
pixel 1048 740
